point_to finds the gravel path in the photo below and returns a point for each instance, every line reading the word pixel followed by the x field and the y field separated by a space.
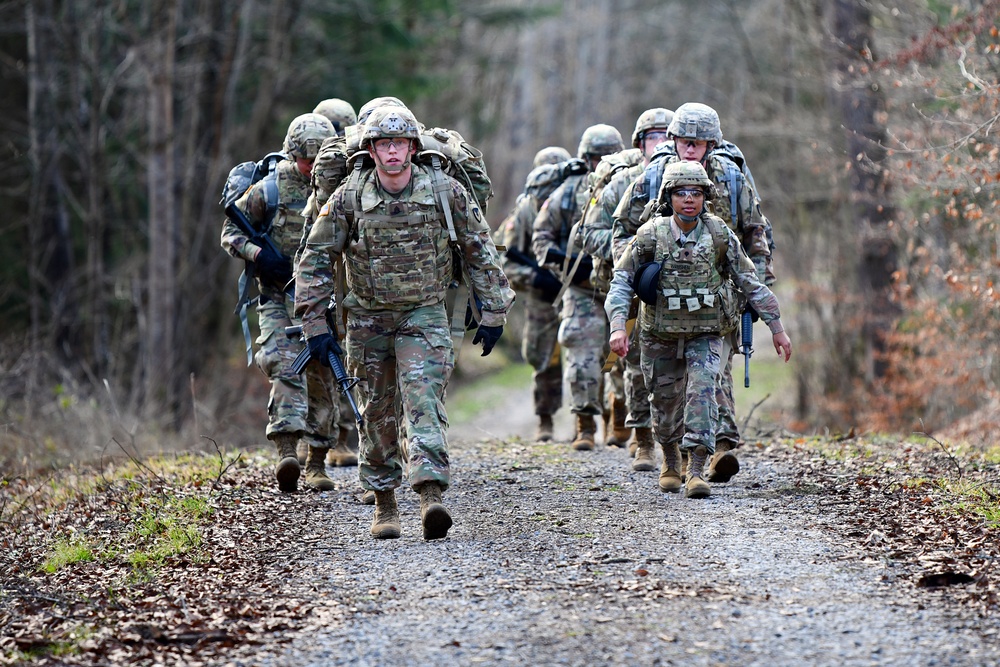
pixel 569 558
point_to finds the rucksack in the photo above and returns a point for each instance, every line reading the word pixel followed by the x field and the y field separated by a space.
pixel 239 180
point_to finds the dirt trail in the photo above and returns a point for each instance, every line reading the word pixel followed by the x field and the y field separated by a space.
pixel 570 558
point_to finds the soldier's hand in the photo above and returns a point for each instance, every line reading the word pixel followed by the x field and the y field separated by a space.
pixel 783 345
pixel 619 342
pixel 273 268
pixel 489 336
pixel 583 271
pixel 321 346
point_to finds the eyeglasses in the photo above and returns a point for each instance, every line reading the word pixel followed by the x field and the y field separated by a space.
pixel 386 144
pixel 658 135
pixel 685 193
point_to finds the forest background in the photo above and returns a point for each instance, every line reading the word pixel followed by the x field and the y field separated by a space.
pixel 869 127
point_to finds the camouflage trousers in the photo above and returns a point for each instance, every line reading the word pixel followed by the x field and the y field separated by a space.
pixel 540 348
pixel 683 378
pixel 727 429
pixel 409 355
pixel 633 385
pixel 305 404
pixel 583 333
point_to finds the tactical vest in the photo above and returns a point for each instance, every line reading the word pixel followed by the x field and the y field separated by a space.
pixel 693 296
pixel 400 257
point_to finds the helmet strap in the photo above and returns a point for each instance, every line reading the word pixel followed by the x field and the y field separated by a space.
pixel 687 218
pixel 392 171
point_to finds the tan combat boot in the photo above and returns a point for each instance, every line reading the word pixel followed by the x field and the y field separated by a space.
pixel 433 514
pixel 302 452
pixel 341 454
pixel 724 463
pixel 633 446
pixel 619 432
pixel 644 456
pixel 545 429
pixel 670 470
pixel 288 468
pixel 385 525
pixel 316 469
pixel 368 498
pixel 586 427
pixel 696 486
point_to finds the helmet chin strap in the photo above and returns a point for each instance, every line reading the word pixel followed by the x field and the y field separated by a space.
pixel 687 218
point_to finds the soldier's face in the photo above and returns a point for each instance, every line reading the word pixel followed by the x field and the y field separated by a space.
pixel 393 152
pixel 691 150
pixel 688 200
pixel 652 139
pixel 305 166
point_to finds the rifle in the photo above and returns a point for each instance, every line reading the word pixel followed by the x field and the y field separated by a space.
pixel 746 342
pixel 527 260
pixel 345 381
pixel 240 219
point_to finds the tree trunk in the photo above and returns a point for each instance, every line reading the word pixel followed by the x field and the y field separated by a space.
pixel 860 101
pixel 162 372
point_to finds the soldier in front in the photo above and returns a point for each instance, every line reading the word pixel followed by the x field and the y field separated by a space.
pixel 397 240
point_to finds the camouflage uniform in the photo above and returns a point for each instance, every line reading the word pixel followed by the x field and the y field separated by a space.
pixel 681 368
pixel 583 326
pixel 398 266
pixel 737 204
pixel 298 404
pixel 541 324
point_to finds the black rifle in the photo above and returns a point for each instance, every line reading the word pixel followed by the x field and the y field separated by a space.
pixel 746 342
pixel 345 381
pixel 240 219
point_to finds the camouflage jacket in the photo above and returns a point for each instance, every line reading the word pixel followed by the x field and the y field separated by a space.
pixel 555 219
pixel 516 229
pixel 286 229
pixel 734 262
pixel 370 254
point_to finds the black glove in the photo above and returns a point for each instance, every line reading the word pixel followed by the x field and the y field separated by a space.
pixel 489 336
pixel 573 167
pixel 470 319
pixel 273 268
pixel 322 345
pixel 583 271
pixel 547 283
pixel 554 256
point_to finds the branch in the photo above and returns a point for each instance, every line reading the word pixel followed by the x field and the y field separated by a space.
pixel 955 461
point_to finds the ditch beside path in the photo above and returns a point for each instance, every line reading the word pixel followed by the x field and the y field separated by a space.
pixel 569 558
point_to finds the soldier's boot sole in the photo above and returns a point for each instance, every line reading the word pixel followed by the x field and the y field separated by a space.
pixel 436 521
pixel 670 481
pixel 287 473
pixel 696 487
pixel 724 467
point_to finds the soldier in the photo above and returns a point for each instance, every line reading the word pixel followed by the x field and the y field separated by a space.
pixel 696 136
pixel 629 398
pixel 684 264
pixel 583 326
pixel 395 236
pixel 300 406
pixel 339 112
pixel 538 286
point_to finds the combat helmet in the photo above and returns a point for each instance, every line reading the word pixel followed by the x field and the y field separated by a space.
pixel 390 122
pixel 369 106
pixel 651 119
pixel 600 140
pixel 682 173
pixel 693 120
pixel 305 135
pixel 338 112
pixel 551 155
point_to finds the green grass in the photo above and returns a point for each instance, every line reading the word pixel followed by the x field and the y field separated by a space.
pixel 66 552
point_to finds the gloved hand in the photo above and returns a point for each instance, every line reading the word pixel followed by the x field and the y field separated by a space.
pixel 273 268
pixel 547 283
pixel 321 346
pixel 583 271
pixel 470 319
pixel 554 256
pixel 573 167
pixel 489 336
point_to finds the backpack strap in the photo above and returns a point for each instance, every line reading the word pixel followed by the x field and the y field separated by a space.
pixel 269 188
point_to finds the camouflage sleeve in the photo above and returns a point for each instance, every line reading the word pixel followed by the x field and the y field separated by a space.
pixel 745 276
pixel 482 260
pixel 314 279
pixel 546 228
pixel 598 224
pixel 234 241
pixel 754 231
pixel 626 216
pixel 517 236
pixel 619 298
